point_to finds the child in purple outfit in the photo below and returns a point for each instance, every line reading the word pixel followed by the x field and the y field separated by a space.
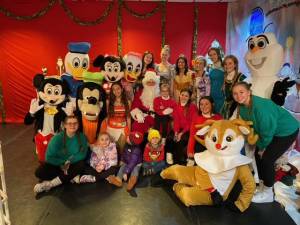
pixel 131 162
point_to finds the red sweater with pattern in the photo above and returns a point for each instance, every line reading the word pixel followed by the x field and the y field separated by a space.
pixel 152 154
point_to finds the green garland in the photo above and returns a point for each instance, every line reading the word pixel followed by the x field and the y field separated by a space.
pixel 87 23
pixel 38 14
pixel 145 15
pixel 119 27
pixel 66 9
pixel 161 6
pixel 195 33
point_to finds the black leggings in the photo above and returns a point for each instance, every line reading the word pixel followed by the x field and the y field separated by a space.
pixel 48 171
pixel 178 149
pixel 265 165
pixel 162 123
pixel 100 176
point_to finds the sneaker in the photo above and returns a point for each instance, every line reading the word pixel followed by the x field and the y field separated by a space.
pixel 190 162
pixel 114 180
pixel 41 187
pixel 131 183
pixel 264 196
pixel 169 157
pixel 87 179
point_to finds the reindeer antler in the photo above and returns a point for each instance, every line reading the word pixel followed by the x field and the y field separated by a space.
pixel 251 137
pixel 206 123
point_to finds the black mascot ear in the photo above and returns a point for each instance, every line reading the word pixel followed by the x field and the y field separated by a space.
pixel 65 87
pixel 98 61
pixel 38 80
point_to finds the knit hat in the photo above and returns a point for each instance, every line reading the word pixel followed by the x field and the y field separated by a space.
pixel 152 133
pixel 136 137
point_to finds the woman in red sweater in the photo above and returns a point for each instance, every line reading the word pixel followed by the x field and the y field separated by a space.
pixel 206 111
pixel 183 113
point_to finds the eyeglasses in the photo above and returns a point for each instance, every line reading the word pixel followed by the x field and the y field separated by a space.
pixel 72 124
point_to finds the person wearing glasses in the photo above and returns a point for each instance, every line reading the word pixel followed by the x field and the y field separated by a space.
pixel 64 157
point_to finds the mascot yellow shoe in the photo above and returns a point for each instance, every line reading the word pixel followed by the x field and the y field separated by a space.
pixel 218 168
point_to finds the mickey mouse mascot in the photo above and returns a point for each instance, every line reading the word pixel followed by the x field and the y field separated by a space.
pixel 48 110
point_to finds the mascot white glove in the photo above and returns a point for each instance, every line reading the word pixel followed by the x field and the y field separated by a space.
pixel 68 109
pixel 137 115
pixel 34 106
pixel 167 111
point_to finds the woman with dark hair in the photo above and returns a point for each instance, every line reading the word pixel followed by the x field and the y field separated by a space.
pixel 277 130
pixel 205 112
pixel 118 122
pixel 216 75
pixel 147 63
pixel 64 157
pixel 231 77
pixel 183 78
pixel 183 113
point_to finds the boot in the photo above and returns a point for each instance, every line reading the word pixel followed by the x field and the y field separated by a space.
pixel 131 183
pixel 264 196
pixel 47 185
pixel 114 180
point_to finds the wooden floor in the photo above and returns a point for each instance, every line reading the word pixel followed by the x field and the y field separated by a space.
pixel 102 204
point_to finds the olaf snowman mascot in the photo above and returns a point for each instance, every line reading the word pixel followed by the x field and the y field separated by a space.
pixel 264 59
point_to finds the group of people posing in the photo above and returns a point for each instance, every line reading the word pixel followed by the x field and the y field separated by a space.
pixel 162 131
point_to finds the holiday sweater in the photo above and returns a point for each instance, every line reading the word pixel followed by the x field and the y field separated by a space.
pixel 152 154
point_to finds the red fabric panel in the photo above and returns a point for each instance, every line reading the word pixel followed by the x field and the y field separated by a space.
pixel 179 32
pixel 212 25
pixel 140 35
pixel 27 46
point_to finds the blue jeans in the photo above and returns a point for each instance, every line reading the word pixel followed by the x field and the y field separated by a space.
pixel 155 166
pixel 134 172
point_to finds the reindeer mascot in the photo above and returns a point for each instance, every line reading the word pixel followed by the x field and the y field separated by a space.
pixel 218 168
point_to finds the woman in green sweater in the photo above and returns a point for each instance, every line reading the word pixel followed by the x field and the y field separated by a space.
pixel 277 130
pixel 64 157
